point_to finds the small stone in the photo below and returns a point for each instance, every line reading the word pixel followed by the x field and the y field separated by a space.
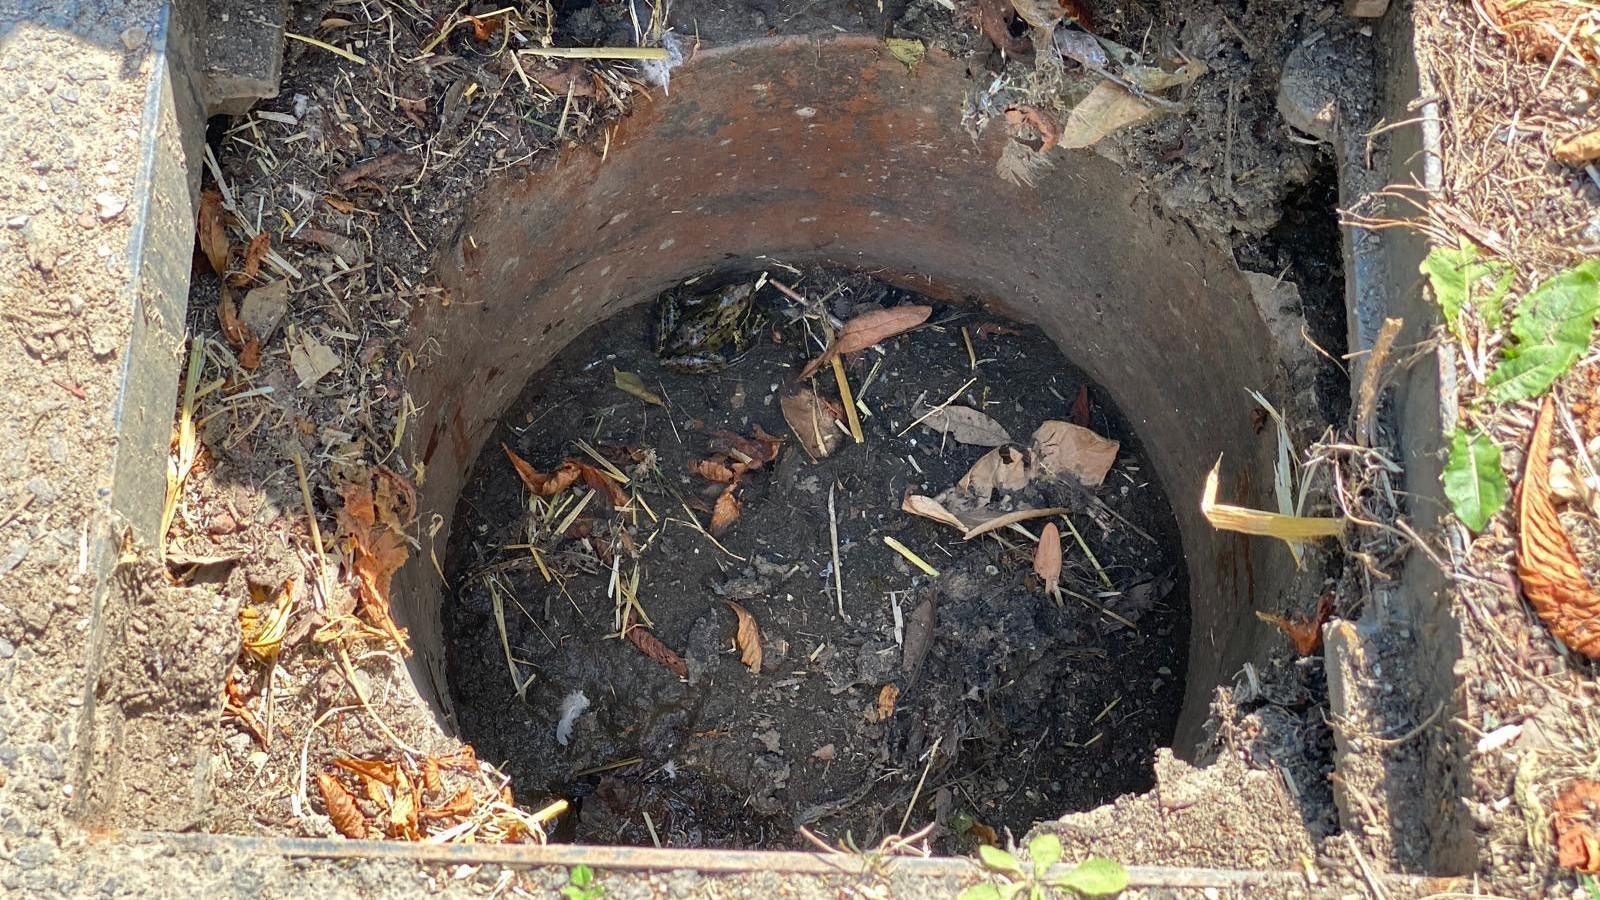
pixel 42 490
pixel 7 650
pixel 109 205
pixel 133 37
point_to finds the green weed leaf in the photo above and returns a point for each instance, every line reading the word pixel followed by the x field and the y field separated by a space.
pixel 1473 480
pixel 998 859
pixel 986 891
pixel 1551 331
pixel 908 50
pixel 1461 277
pixel 1045 851
pixel 1095 877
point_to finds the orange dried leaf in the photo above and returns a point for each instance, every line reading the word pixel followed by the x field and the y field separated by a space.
pixel 1081 411
pixel 483 29
pixel 461 804
pixel 651 646
pixel 341 807
pixel 983 834
pixel 1573 817
pixel 599 482
pixel 377 770
pixel 1047 558
pixel 888 696
pixel 254 252
pixel 233 329
pixel 211 232
pixel 712 470
pixel 725 513
pixel 1304 634
pixel 390 165
pixel 373 521
pixel 430 775
pixel 1548 566
pixel 870 328
pixel 1019 117
pixel 747 637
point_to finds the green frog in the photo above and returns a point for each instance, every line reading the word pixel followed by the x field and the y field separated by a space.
pixel 700 333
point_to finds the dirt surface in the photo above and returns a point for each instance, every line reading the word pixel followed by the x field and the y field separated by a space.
pixel 1037 708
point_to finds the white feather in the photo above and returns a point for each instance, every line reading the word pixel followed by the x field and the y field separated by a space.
pixel 572 706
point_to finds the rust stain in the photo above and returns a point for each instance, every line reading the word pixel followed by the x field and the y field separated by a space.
pixel 458 434
pixel 433 444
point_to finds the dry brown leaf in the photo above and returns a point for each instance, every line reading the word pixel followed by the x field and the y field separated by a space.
pixel 929 508
pixel 919 636
pixel 1082 412
pixel 1107 109
pixel 994 17
pixel 465 759
pixel 367 174
pixel 714 470
pixel 814 420
pixel 460 805
pixel 867 329
pixel 600 483
pixel 376 769
pixel 761 448
pixel 254 252
pixel 1005 468
pixel 967 425
pixel 1047 558
pixel 1536 28
pixel 1049 13
pixel 431 779
pixel 824 753
pixel 263 632
pixel 212 232
pixel 377 509
pixel 1019 118
pixel 571 76
pixel 234 703
pixel 983 834
pixel 888 695
pixel 651 646
pixel 725 513
pixel 1548 566
pixel 403 812
pixel 538 482
pixel 1579 149
pixel 341 807
pixel 747 638
pixel 1304 634
pixel 1573 817
pixel 232 327
pixel 1062 448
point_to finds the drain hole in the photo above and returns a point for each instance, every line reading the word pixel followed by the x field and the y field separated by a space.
pixel 1012 708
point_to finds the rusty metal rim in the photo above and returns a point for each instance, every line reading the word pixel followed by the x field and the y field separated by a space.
pixel 664 859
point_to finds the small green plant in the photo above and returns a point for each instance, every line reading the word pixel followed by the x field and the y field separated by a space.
pixel 1094 877
pixel 1473 480
pixel 581 885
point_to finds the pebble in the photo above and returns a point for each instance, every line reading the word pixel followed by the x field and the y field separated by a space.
pixel 109 205
pixel 133 37
pixel 7 650
pixel 42 490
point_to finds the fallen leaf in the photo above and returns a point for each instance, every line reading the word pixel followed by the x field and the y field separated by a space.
pixel 1304 634
pixel 966 425
pixel 1020 119
pixel 824 753
pixel 211 232
pixel 538 482
pixel 600 483
pixel 1572 815
pixel 1579 148
pixel 1005 468
pixel 458 806
pixel 1047 558
pixel 312 360
pixel 385 773
pixel 367 174
pixel 983 834
pixel 263 308
pixel 651 646
pixel 377 509
pixel 1107 109
pixel 929 508
pixel 341 807
pixel 994 17
pixel 814 421
pixel 888 695
pixel 572 76
pixel 712 470
pixel 228 322
pixel 631 384
pixel 760 449
pixel 747 638
pixel 1536 28
pixel 484 28
pixel 235 704
pixel 1548 566
pixel 1049 13
pixel 263 632
pixel 347 249
pixel 725 512
pixel 908 50
pixel 1082 413
pixel 919 636
pixel 402 819
pixel 430 774
pixel 867 329
pixel 1062 448
pixel 254 252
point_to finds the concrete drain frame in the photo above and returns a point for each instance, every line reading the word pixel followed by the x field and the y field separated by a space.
pixel 885 181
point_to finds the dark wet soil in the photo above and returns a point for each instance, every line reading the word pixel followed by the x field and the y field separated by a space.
pixel 1012 709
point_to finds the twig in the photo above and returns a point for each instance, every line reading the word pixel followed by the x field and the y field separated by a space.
pixel 1371 378
pixel 932 754
pixel 337 51
pixel 849 401
pixel 833 535
pixel 1084 546
pixel 597 52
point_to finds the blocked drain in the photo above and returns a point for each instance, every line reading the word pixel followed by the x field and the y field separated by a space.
pixel 826 153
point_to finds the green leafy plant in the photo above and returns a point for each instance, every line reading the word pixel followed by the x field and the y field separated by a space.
pixel 1473 480
pixel 1463 278
pixel 581 885
pixel 1550 333
pixel 1094 877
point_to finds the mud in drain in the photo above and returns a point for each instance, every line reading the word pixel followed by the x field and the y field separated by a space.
pixel 975 695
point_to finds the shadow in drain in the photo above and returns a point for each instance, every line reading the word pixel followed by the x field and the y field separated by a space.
pixel 654 622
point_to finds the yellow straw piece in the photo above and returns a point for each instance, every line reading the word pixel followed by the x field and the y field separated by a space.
pixel 911 557
pixel 1290 529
